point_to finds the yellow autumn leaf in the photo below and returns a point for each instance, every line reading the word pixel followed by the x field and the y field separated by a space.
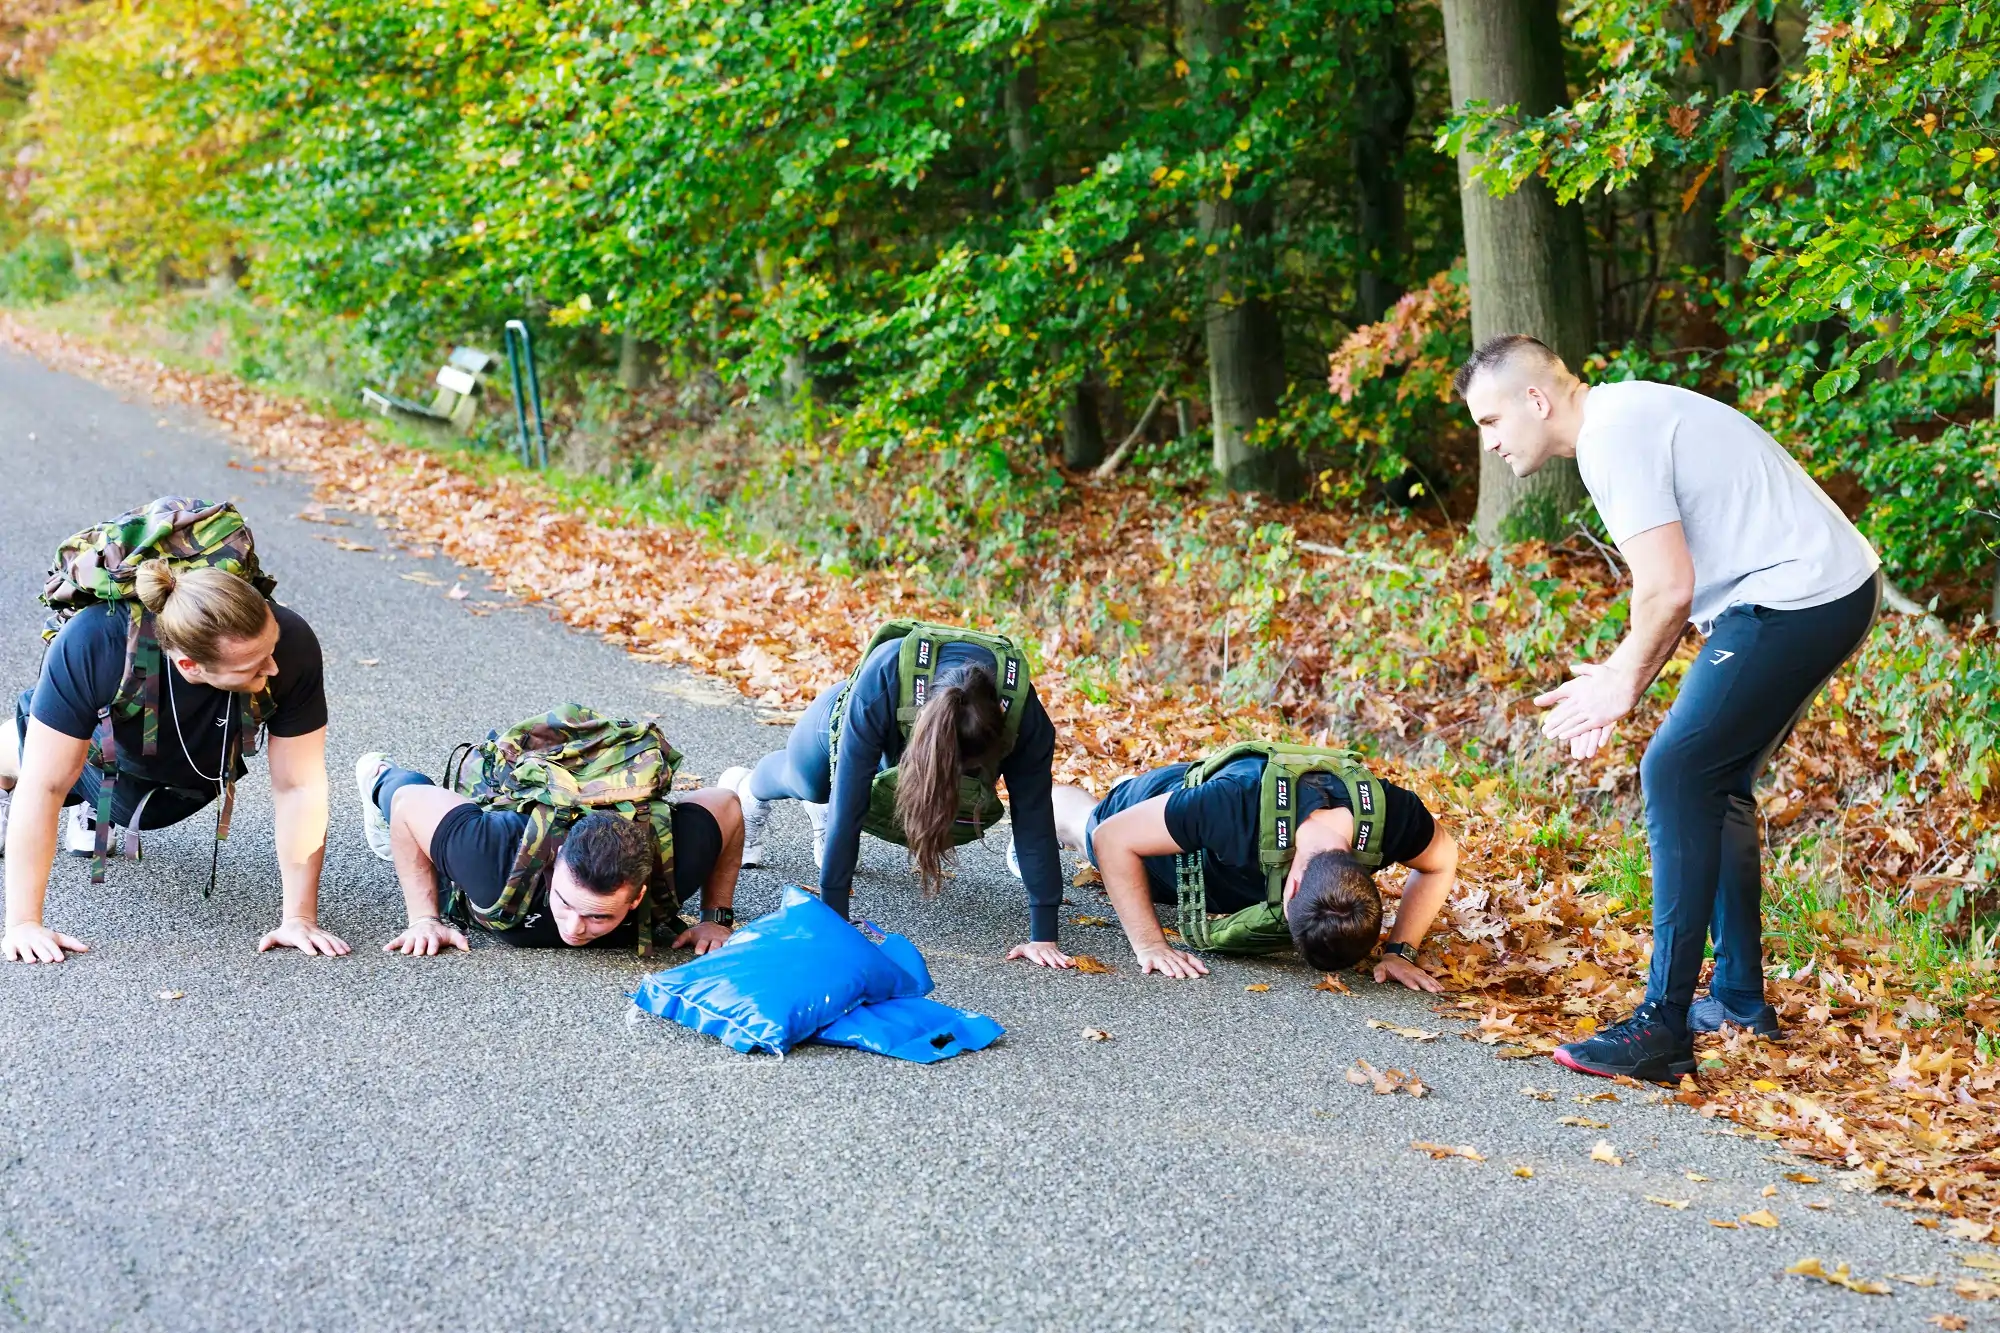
pixel 1525 1172
pixel 1257 986
pixel 1839 1277
pixel 1763 1217
pixel 1668 1203
pixel 1606 1154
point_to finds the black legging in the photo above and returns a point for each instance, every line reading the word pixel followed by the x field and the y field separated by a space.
pixel 1755 678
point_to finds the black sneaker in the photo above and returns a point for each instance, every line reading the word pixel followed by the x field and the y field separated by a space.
pixel 1641 1047
pixel 1709 1013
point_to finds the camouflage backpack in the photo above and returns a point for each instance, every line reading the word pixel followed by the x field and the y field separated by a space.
pixel 101 564
pixel 1262 928
pixel 979 804
pixel 555 769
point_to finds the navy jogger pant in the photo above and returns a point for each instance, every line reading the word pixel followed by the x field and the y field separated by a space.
pixel 1754 679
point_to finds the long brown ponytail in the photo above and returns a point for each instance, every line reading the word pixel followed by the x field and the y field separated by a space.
pixel 957 732
pixel 198 610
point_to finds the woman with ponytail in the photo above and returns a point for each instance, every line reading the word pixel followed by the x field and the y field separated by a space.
pixel 944 752
pixel 229 663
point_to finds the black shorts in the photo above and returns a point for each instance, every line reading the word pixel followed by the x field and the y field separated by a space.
pixel 158 805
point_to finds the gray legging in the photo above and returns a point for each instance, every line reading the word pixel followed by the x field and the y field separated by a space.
pixel 803 770
pixel 1755 677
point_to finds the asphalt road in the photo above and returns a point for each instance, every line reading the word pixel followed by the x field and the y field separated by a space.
pixel 488 1142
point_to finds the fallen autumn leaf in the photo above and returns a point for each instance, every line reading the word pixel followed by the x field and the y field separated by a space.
pixel 1839 1277
pixel 1606 1154
pixel 1440 1151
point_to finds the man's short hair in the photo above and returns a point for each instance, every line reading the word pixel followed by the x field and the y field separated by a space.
pixel 1498 351
pixel 1336 915
pixel 607 852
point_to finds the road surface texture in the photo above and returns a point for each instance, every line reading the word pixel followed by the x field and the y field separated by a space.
pixel 485 1141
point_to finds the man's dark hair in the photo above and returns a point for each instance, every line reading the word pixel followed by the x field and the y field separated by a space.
pixel 1336 916
pixel 607 853
pixel 1497 351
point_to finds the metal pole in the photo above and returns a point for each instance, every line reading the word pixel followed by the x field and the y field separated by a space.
pixel 520 351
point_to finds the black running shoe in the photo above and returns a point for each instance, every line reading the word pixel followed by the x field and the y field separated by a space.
pixel 1709 1013
pixel 1641 1047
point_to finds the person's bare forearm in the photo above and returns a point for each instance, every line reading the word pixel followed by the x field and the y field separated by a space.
pixel 1125 885
pixel 1425 893
pixel 31 850
pixel 1659 618
pixel 415 873
pixel 301 816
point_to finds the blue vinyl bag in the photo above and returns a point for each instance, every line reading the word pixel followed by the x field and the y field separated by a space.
pixel 911 1029
pixel 781 979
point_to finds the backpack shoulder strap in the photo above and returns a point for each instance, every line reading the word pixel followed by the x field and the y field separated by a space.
pixel 918 664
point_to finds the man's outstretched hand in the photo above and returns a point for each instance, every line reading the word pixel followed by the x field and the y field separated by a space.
pixel 1583 710
pixel 1393 968
pixel 306 937
pixel 706 937
pixel 428 937
pixel 1042 953
pixel 33 942
pixel 1170 962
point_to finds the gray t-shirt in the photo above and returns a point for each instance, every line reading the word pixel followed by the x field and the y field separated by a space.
pixel 1760 530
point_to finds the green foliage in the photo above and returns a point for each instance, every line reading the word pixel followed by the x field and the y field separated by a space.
pixel 37 271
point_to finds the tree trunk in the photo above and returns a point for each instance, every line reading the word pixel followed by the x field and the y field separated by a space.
pixel 1034 181
pixel 1246 367
pixel 1083 431
pixel 636 360
pixel 1387 99
pixel 1525 257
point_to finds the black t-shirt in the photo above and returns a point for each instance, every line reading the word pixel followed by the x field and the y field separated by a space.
pixel 1220 817
pixel 475 850
pixel 83 667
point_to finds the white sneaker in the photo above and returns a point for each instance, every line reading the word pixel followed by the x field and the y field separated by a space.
pixel 1013 860
pixel 6 808
pixel 817 814
pixel 368 770
pixel 80 834
pixel 755 813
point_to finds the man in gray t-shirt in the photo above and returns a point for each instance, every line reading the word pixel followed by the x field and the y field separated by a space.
pixel 1722 529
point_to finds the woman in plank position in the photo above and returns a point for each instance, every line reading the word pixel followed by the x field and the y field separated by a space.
pixel 910 749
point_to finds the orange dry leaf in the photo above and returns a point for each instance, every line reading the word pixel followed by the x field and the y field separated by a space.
pixel 1951 1322
pixel 1090 966
pixel 1763 1217
pixel 1440 1151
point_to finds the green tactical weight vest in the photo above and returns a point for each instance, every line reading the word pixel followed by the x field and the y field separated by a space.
pixel 555 769
pixel 979 804
pixel 101 564
pixel 1262 928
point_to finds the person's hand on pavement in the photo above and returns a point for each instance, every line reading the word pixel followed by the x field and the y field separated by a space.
pixel 703 938
pixel 1170 962
pixel 1042 953
pixel 305 936
pixel 1393 968
pixel 427 937
pixel 33 942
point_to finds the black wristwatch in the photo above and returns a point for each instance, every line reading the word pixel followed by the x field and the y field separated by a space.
pixel 1406 952
pixel 719 916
